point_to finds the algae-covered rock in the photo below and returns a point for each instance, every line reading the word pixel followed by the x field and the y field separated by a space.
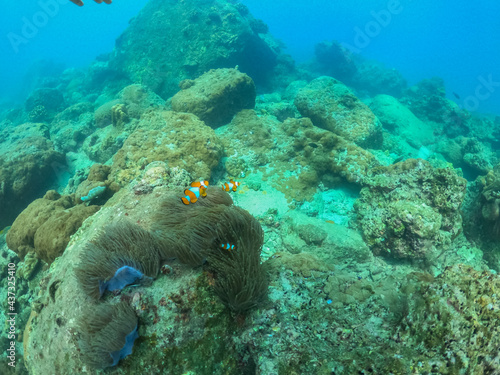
pixel 179 316
pixel 46 225
pixel 53 235
pixel 116 119
pixel 332 106
pixel 102 114
pixel 399 120
pixel 29 165
pixel 427 100
pixel 373 78
pixel 487 207
pixel 169 41
pixel 43 104
pixel 72 126
pixel 293 155
pixel 409 209
pixel 455 319
pixel 335 60
pixel 137 99
pixel 216 96
pixel 179 139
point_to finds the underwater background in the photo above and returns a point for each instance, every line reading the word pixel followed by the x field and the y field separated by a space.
pixel 250 187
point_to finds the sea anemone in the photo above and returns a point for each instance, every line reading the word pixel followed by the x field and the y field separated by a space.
pixel 122 254
pixel 185 231
pixel 108 333
pixel 241 281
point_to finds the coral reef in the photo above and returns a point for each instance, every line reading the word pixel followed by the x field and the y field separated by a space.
pixel 474 157
pixel 347 248
pixel 43 104
pixel 216 96
pixel 454 317
pixel 235 276
pixel 294 156
pixel 427 100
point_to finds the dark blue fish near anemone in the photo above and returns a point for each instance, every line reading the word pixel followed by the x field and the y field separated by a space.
pixel 123 276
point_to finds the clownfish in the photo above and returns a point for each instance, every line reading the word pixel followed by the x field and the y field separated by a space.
pixel 231 185
pixel 227 246
pixel 193 193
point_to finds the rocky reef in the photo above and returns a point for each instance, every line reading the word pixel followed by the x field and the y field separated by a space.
pixel 356 230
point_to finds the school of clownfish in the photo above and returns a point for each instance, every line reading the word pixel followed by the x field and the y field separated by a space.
pixel 199 189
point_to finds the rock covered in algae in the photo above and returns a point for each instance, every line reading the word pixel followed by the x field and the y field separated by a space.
pixel 185 39
pixel 29 164
pixel 454 319
pixel 398 119
pixel 46 225
pixel 293 155
pixel 179 138
pixel 216 96
pixel 182 322
pixel 410 208
pixel 332 106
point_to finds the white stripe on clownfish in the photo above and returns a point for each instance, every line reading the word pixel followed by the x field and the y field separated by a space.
pixel 231 185
pixel 227 246
pixel 193 193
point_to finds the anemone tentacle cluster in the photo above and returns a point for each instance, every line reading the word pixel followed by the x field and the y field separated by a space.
pixel 124 253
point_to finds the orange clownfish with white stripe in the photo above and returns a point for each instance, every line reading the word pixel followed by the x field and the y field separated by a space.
pixel 193 193
pixel 227 246
pixel 231 185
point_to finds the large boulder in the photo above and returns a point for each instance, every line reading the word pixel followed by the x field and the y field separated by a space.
pixel 410 210
pixel 46 225
pixel 332 106
pixel 216 96
pixel 173 40
pixel 29 165
pixel 398 119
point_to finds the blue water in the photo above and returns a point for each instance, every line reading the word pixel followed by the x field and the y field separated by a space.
pixel 456 40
